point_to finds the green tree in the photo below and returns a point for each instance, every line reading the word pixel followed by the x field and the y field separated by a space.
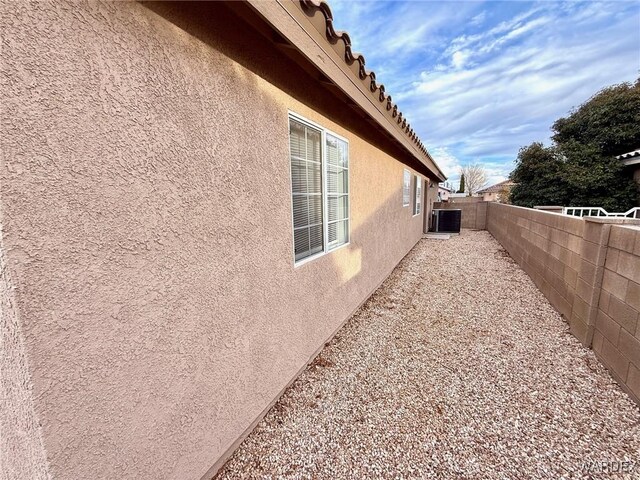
pixel 594 179
pixel 580 167
pixel 609 121
pixel 462 187
pixel 538 177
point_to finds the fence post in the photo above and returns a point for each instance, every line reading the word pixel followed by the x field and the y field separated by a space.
pixel 593 253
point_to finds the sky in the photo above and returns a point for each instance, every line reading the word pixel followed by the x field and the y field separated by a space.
pixel 478 80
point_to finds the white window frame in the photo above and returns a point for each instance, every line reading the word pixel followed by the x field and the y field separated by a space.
pixel 417 195
pixel 406 176
pixel 323 162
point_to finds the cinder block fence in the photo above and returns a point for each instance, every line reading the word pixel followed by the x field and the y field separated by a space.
pixel 474 214
pixel 589 270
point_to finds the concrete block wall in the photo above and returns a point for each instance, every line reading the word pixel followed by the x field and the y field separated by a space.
pixel 465 199
pixel 474 214
pixel 593 252
pixel 547 246
pixel 589 270
pixel 616 337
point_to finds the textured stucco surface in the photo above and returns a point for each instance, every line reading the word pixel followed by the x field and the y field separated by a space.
pixel 21 450
pixel 148 232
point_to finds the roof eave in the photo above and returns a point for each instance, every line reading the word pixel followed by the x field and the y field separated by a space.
pixel 307 26
pixel 630 158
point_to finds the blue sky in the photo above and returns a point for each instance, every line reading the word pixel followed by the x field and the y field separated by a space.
pixel 478 80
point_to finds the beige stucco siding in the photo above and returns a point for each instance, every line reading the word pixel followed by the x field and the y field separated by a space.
pixel 147 227
pixel 21 449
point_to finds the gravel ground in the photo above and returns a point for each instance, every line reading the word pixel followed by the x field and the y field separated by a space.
pixel 457 367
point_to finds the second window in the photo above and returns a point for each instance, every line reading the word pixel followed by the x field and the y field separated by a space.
pixel 417 198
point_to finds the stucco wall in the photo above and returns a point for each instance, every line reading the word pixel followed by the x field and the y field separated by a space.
pixel 148 230
pixel 21 451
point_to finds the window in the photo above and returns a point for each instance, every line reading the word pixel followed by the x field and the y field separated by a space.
pixel 417 199
pixel 319 189
pixel 337 168
pixel 306 189
pixel 406 188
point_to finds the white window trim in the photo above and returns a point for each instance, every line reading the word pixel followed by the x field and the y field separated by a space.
pixel 418 178
pixel 325 224
pixel 404 174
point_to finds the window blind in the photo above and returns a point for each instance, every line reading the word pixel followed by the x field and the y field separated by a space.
pixel 306 186
pixel 417 206
pixel 337 166
pixel 406 188
pixel 319 188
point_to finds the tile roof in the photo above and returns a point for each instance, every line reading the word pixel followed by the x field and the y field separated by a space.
pixel 498 187
pixel 624 156
pixel 341 43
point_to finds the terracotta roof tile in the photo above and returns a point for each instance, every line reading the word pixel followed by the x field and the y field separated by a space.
pixel 498 187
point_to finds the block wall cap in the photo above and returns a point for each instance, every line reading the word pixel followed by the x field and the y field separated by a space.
pixel 613 220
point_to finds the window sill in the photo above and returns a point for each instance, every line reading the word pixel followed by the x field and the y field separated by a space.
pixel 315 256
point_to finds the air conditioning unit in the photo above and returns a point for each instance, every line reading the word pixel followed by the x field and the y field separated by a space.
pixel 446 221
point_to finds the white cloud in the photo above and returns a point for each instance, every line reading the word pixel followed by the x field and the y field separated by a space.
pixel 478 19
pixel 390 33
pixel 459 58
pixel 479 95
pixel 451 165
pixel 496 172
pixel 448 162
pixel 488 37
pixel 518 31
pixel 494 107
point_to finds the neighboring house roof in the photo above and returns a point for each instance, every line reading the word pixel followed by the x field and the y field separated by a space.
pixel 306 26
pixel 444 188
pixel 630 158
pixel 498 187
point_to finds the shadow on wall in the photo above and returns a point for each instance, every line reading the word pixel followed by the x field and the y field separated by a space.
pixel 21 451
pixel 152 258
pixel 219 26
pixel 216 25
pixel 356 271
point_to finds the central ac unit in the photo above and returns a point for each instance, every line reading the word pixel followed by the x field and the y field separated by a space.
pixel 446 221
